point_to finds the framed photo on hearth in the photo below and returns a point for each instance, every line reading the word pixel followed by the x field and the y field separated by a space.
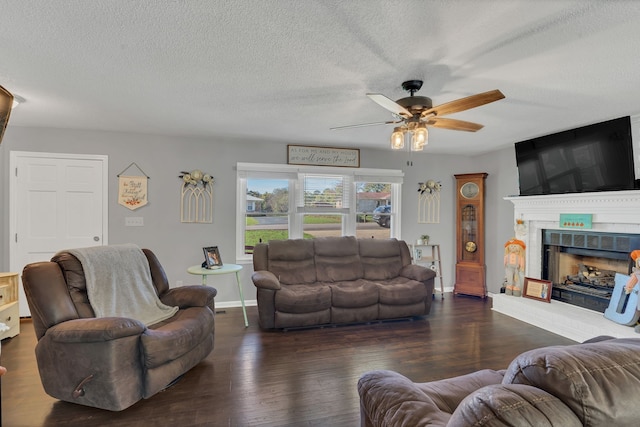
pixel 212 257
pixel 537 289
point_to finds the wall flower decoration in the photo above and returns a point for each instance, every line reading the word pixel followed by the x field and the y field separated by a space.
pixel 196 177
pixel 196 197
pixel 429 186
pixel 429 201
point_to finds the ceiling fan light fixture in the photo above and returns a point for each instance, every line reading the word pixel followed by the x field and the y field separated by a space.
pixel 397 139
pixel 420 138
pixel 416 112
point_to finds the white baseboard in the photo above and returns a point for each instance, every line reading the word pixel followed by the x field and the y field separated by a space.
pixel 231 304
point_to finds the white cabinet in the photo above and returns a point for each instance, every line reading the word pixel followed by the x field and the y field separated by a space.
pixel 9 310
pixel 429 256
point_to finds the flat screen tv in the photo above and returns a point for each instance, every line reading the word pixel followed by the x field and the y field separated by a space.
pixel 592 158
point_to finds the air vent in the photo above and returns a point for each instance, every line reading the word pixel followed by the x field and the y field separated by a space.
pixel 623 244
pixel 609 242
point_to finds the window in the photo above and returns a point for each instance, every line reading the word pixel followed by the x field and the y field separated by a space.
pixel 287 201
pixel 267 211
pixel 373 209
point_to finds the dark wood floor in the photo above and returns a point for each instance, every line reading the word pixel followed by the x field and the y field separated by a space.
pixel 294 378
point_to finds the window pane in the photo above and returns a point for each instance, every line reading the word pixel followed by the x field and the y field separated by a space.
pixel 324 191
pixel 267 216
pixel 373 217
pixel 321 225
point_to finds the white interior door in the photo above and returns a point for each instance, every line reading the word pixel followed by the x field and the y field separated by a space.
pixel 58 201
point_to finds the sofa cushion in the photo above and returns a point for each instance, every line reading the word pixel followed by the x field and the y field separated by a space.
pixel 513 405
pixel 381 258
pixel 292 261
pixel 354 314
pixel 592 379
pixel 386 311
pixel 337 259
pixel 301 320
pixel 76 283
pixel 170 339
pixel 303 298
pixel 401 291
pixel 357 293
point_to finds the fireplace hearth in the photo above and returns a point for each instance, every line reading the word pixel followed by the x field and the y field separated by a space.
pixel 582 265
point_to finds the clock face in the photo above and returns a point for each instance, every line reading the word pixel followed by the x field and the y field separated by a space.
pixel 469 190
pixel 470 246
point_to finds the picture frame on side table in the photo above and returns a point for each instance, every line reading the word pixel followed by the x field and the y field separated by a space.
pixel 537 289
pixel 212 259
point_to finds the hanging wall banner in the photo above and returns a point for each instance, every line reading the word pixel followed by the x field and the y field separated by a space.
pixel 132 191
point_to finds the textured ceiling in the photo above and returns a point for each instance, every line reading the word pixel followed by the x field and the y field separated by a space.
pixel 288 70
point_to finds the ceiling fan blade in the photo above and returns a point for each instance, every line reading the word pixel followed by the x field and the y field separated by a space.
pixel 365 124
pixel 462 104
pixel 454 124
pixel 390 105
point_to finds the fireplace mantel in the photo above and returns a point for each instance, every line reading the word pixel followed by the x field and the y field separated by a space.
pixel 619 207
pixel 612 211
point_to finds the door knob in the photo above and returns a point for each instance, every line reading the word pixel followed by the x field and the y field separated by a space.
pixel 96 238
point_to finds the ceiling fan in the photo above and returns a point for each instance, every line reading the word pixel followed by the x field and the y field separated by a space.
pixel 416 113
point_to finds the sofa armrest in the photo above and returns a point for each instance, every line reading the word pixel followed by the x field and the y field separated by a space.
pixel 417 272
pixel 93 361
pixel 513 405
pixel 94 330
pixel 388 398
pixel 190 296
pixel 265 279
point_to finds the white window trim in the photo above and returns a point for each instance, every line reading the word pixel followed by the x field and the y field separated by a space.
pixel 291 172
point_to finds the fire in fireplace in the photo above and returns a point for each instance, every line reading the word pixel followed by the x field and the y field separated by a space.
pixel 582 265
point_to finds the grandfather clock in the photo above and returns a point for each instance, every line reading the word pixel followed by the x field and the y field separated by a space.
pixel 470 267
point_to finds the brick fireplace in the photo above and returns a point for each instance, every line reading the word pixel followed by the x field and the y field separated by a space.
pixel 615 213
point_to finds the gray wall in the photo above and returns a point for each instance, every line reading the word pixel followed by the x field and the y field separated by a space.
pixel 179 245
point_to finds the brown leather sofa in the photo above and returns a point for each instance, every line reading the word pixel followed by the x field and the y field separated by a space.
pixel 338 280
pixel 112 362
pixel 590 384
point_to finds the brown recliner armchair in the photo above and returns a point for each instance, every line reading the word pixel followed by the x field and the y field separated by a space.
pixel 111 362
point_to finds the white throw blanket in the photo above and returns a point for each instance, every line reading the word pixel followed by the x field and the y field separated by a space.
pixel 119 283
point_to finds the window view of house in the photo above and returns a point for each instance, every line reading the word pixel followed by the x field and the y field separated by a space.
pixel 373 210
pixel 323 206
pixel 267 214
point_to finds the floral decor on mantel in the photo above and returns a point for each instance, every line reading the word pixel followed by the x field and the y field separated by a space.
pixel 196 204
pixel 429 202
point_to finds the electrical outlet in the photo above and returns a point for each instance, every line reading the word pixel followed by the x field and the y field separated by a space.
pixel 134 221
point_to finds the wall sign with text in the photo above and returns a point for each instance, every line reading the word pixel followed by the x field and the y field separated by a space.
pixel 323 156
